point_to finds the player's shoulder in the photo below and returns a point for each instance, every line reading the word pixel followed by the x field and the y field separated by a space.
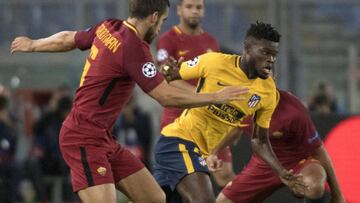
pixel 113 24
pixel 218 56
pixel 169 34
pixel 209 36
pixel 130 41
pixel 287 95
pixel 290 98
pixel 107 23
pixel 267 86
pixel 113 21
pixel 130 38
pixel 220 60
pixel 270 81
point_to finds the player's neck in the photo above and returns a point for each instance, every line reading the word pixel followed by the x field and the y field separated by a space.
pixel 246 69
pixel 140 26
pixel 190 31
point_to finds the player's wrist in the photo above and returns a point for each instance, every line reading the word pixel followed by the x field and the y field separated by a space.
pixel 32 45
pixel 282 172
pixel 216 97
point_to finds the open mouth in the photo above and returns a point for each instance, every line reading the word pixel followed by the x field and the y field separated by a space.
pixel 267 69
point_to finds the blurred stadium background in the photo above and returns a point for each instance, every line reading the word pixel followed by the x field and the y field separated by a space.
pixel 319 62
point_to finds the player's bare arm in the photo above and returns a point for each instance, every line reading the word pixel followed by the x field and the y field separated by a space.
pixel 324 158
pixel 213 163
pixel 59 42
pixel 168 95
pixel 261 145
pixel 183 85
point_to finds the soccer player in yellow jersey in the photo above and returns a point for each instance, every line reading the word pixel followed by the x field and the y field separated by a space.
pixel 180 166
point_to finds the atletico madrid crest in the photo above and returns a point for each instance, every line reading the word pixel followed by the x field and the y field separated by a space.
pixel 254 100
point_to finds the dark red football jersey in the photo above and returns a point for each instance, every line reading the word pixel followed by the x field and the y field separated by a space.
pixel 177 44
pixel 118 59
pixel 292 133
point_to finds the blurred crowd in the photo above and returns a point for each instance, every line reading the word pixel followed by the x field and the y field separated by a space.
pixel 323 100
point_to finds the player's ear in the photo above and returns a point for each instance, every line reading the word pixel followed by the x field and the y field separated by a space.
pixel 247 46
pixel 154 18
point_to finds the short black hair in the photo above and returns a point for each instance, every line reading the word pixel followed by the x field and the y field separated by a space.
pixel 143 8
pixel 261 30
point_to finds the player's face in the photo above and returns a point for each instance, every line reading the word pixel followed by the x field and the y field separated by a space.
pixel 260 57
pixel 191 12
pixel 155 29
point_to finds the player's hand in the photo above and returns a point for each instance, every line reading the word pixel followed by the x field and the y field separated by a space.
pixel 21 44
pixel 287 175
pixel 294 182
pixel 170 69
pixel 213 163
pixel 231 93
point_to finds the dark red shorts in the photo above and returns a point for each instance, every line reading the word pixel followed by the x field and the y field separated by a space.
pixel 257 182
pixel 225 155
pixel 95 160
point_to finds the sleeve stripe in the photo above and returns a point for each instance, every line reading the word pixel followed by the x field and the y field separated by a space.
pixel 237 61
pixel 200 85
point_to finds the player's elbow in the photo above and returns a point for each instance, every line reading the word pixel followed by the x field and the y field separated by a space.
pixel 165 99
pixel 165 96
pixel 66 40
pixel 165 102
pixel 171 101
pixel 255 144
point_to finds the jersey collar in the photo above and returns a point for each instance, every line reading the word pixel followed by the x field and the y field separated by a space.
pixel 127 24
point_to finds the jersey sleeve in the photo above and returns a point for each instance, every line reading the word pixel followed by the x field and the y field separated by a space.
pixel 305 129
pixel 84 38
pixel 197 67
pixel 139 65
pixel 165 49
pixel 263 115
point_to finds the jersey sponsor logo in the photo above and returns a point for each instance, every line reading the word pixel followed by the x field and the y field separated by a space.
pixel 226 112
pixel 254 100
pixel 221 84
pixel 202 161
pixel 149 70
pixel 182 52
pixel 162 55
pixel 277 134
pixel 193 62
pixel 313 138
pixel 101 170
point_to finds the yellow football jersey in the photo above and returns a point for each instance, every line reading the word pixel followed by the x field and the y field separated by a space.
pixel 207 126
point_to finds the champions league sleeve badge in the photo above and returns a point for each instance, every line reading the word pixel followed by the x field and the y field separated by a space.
pixel 193 62
pixel 149 70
